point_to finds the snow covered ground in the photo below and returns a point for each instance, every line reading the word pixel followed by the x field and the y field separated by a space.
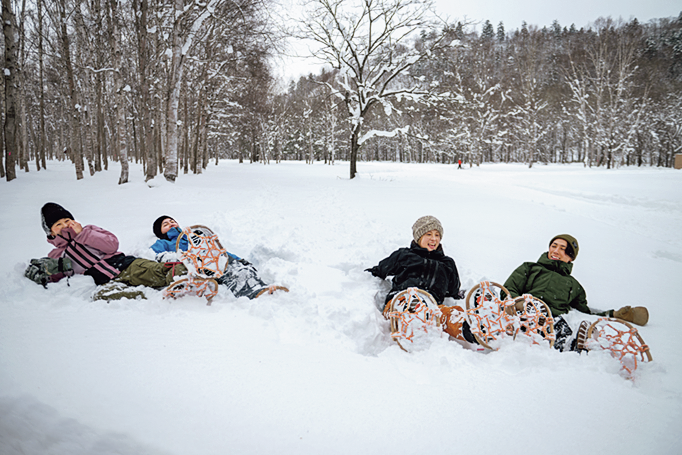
pixel 314 371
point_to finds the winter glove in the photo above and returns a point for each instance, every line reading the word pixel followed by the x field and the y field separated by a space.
pixel 461 294
pixel 168 256
pixel 40 270
pixel 637 315
pixel 36 274
pixel 374 271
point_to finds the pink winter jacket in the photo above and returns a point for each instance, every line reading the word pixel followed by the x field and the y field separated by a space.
pixel 87 251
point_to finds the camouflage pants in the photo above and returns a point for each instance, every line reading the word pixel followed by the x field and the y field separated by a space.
pixel 143 272
pixel 242 279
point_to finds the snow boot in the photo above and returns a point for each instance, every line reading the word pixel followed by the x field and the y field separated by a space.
pixel 116 290
pixel 637 315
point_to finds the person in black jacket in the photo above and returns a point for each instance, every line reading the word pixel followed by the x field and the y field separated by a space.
pixel 423 265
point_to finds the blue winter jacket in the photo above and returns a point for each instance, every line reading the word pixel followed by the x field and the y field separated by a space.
pixel 163 245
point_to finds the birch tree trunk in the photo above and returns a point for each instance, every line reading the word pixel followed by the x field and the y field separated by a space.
pixel 40 152
pixel 175 81
pixel 75 149
pixel 21 101
pixel 11 80
pixel 121 142
pixel 147 136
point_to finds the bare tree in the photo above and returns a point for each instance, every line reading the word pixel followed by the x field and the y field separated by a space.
pixel 187 23
pixel 115 40
pixel 11 89
pixel 75 141
pixel 42 133
pixel 140 9
pixel 367 41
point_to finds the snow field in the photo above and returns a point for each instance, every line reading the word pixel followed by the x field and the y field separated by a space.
pixel 314 370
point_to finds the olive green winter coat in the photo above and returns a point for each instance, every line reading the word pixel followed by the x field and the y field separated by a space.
pixel 551 282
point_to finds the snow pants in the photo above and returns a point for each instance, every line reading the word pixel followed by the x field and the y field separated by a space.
pixel 565 341
pixel 242 279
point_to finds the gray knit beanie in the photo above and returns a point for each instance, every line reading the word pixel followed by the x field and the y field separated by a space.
pixel 424 225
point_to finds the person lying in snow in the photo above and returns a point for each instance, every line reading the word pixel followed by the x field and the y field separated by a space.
pixel 240 276
pixel 423 265
pixel 549 279
pixel 93 251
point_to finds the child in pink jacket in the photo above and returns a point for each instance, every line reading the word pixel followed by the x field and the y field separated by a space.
pixel 91 250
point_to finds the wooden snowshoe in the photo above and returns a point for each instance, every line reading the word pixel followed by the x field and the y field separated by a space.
pixel 534 319
pixel 619 337
pixel 198 286
pixel 485 310
pixel 415 319
pixel 491 319
pixel 264 291
pixel 205 256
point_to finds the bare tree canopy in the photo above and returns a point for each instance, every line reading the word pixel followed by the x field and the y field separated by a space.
pixel 371 43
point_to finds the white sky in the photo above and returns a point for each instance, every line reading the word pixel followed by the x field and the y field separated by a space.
pixel 543 12
pixel 512 13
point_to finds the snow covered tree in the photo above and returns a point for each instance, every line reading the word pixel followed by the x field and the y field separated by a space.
pixel 11 89
pixel 115 43
pixel 527 93
pixel 488 32
pixel 501 35
pixel 367 41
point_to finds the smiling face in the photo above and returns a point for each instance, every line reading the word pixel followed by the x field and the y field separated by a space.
pixel 430 240
pixel 57 227
pixel 557 251
pixel 167 224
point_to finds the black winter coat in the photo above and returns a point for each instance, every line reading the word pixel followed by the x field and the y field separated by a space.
pixel 418 267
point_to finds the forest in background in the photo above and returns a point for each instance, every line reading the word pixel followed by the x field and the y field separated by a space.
pixel 178 84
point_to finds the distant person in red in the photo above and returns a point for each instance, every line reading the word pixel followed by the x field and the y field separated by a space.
pixel 459 163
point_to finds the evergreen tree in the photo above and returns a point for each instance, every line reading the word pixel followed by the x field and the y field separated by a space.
pixel 488 32
pixel 500 32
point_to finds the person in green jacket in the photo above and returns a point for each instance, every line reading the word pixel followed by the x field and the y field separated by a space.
pixel 549 279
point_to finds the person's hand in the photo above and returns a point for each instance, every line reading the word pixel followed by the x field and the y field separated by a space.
pixel 76 226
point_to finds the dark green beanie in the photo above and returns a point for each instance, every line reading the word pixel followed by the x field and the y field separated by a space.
pixel 572 247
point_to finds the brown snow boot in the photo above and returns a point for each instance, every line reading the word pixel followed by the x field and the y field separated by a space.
pixel 453 319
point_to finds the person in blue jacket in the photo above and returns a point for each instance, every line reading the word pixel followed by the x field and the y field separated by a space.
pixel 240 277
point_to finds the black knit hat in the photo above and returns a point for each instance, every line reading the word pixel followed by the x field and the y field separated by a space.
pixel 156 227
pixel 572 244
pixel 51 213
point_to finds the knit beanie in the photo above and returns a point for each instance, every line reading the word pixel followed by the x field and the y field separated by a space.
pixel 156 227
pixel 424 225
pixel 51 213
pixel 572 247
